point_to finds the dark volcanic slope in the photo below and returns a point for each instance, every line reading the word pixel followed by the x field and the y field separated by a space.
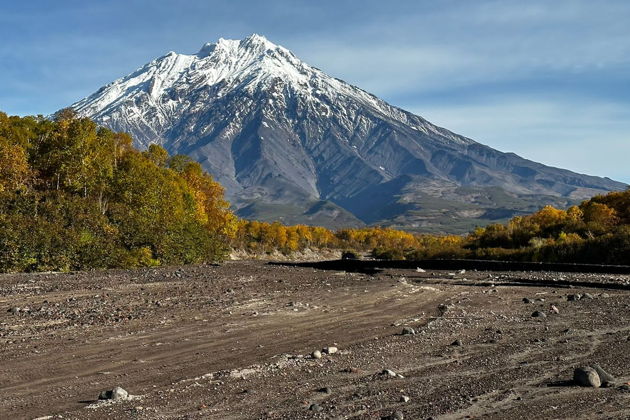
pixel 273 129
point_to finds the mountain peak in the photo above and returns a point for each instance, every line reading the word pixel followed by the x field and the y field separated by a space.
pixel 253 42
pixel 256 40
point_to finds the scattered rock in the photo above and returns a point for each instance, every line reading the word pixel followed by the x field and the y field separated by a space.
pixel 404 399
pixel 391 374
pixel 397 415
pixel 315 407
pixel 539 314
pixel 457 342
pixel 586 376
pixel 526 300
pixel 408 331
pixel 588 296
pixel 572 298
pixel 325 390
pixel 555 309
pixel 420 270
pixel 117 393
pixel 331 350
pixel 606 378
pixel 317 354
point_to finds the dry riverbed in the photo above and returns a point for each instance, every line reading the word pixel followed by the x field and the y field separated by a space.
pixel 235 342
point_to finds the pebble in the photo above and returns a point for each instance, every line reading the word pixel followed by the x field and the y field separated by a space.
pixel 572 298
pixel 539 314
pixel 555 309
pixel 586 376
pixel 526 300
pixel 325 390
pixel 390 373
pixel 404 399
pixel 588 296
pixel 331 350
pixel 408 331
pixel 315 407
pixel 117 393
pixel 317 354
pixel 457 342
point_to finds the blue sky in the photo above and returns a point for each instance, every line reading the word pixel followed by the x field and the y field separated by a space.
pixel 548 80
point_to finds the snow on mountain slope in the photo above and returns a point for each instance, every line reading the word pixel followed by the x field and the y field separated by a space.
pixel 273 129
pixel 151 96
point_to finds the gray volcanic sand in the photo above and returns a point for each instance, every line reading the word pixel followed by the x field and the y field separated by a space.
pixel 234 342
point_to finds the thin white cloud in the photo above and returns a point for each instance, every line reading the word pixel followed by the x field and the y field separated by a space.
pixel 580 135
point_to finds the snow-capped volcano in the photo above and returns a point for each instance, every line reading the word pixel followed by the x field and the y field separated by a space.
pixel 290 142
pixel 151 97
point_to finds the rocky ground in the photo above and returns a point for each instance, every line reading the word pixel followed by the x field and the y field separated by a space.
pixel 236 341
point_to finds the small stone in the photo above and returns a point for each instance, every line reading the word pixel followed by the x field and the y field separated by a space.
pixel 404 399
pixel 14 310
pixel 539 314
pixel 408 331
pixel 588 296
pixel 325 390
pixel 390 373
pixel 117 393
pixel 317 354
pixel 573 298
pixel 555 309
pixel 331 350
pixel 586 376
pixel 526 300
pixel 457 342
pixel 315 407
pixel 606 378
pixel 605 295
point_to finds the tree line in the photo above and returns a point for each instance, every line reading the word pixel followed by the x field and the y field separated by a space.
pixel 74 196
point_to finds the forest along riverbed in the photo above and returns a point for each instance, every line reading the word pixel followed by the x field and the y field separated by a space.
pixel 235 341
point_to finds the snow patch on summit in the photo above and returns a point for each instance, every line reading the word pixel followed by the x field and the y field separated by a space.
pixel 154 97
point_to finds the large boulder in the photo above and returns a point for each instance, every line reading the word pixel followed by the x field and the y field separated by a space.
pixel 587 376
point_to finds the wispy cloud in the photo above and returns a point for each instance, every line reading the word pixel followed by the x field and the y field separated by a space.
pixel 589 137
pixel 547 79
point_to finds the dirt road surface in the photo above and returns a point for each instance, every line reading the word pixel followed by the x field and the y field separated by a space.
pixel 235 342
